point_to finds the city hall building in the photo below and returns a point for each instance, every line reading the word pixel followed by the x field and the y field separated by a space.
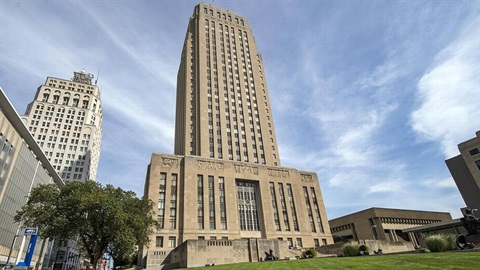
pixel 224 189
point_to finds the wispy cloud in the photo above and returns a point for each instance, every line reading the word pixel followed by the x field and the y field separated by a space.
pixel 449 93
pixel 439 183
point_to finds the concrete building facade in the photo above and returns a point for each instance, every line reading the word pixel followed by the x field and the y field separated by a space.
pixel 65 119
pixel 465 170
pixel 225 181
pixel 384 224
pixel 23 166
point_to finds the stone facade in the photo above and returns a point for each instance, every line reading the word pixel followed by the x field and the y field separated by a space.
pixel 186 224
pixel 65 118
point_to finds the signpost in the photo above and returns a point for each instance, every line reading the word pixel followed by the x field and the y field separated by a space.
pixel 31 231
pixel 31 247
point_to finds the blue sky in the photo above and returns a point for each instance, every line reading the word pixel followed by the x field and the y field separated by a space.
pixel 371 95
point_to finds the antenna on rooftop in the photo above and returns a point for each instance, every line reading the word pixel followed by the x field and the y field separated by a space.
pixel 98 74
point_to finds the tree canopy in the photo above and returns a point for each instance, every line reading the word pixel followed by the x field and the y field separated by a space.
pixel 105 219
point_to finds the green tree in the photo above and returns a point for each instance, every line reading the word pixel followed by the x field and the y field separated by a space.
pixel 105 219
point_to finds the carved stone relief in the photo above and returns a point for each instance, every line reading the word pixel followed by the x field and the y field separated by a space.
pixel 246 169
pixel 169 162
pixel 278 173
pixel 306 177
pixel 210 165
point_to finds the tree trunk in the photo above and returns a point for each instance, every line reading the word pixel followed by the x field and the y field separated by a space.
pixel 40 257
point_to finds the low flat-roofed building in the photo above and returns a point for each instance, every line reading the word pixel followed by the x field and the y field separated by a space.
pixel 453 226
pixel 383 224
pixel 23 166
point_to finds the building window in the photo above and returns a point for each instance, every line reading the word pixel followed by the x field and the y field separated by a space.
pixel 223 210
pixel 284 207
pixel 159 241
pixel 6 153
pixel 317 210
pixel 211 202
pixel 161 200
pixel 315 242
pixel 200 201
pixel 477 162
pixel 172 241
pixel 309 209
pixel 247 205
pixel 275 208
pixel 474 151
pixel 292 207
pixel 324 242
pixel 201 237
pixel 290 242
pixel 299 242
pixel 173 202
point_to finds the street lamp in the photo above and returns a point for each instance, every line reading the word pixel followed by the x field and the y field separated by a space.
pixel 473 210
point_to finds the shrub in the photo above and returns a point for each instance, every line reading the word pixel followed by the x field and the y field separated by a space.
pixel 311 251
pixel 440 242
pixel 350 249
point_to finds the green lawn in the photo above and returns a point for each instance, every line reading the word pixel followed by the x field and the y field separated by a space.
pixel 417 261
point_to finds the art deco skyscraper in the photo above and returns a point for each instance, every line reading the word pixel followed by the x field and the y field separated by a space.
pixel 223 107
pixel 65 118
pixel 224 181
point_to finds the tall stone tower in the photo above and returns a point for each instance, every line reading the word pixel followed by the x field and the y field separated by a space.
pixel 225 182
pixel 65 118
pixel 223 107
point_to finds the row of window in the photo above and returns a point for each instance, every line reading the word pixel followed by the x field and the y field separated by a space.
pixel 172 241
pixel 222 15
pixel 474 152
pixel 247 204
pixel 75 101
pixel 72 84
pixel 298 242
pixel 234 99
pixel 162 201
pixel 291 203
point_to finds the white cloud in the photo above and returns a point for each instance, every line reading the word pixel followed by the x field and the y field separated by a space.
pixel 442 183
pixel 449 93
pixel 387 186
